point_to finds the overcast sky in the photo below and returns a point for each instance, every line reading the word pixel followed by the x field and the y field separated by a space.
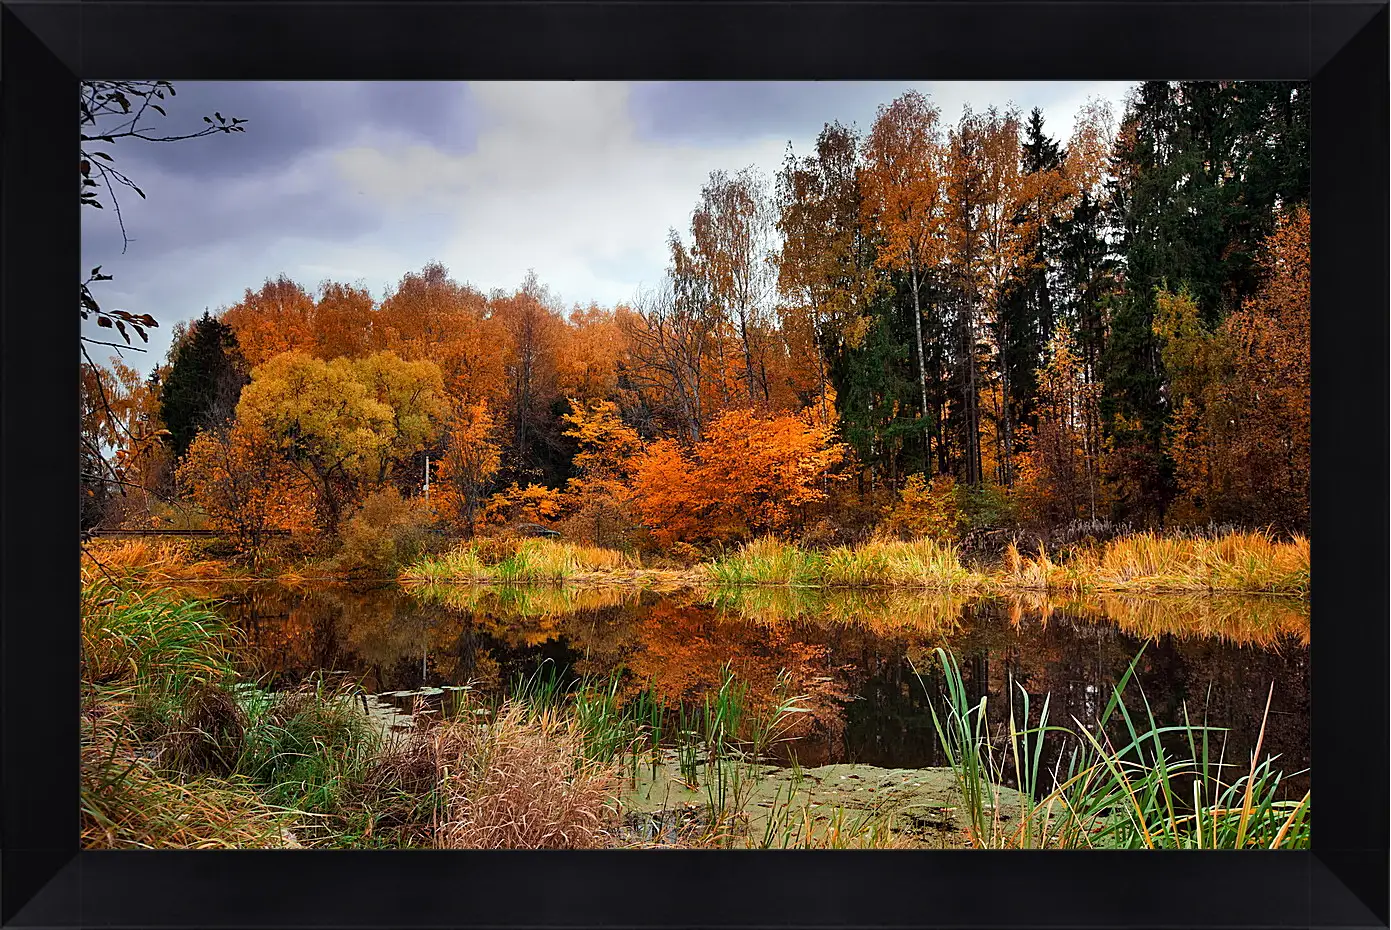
pixel 362 182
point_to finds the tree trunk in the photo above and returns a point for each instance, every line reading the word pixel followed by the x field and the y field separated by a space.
pixel 922 360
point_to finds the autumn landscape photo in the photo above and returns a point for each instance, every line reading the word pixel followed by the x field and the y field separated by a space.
pixel 695 465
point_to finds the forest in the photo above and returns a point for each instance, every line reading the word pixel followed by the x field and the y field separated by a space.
pixel 938 326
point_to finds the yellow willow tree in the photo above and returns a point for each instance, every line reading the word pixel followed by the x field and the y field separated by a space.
pixel 905 197
pixel 346 423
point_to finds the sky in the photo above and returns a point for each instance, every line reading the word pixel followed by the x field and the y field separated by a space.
pixel 363 182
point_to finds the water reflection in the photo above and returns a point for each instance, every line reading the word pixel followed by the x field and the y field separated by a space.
pixel 852 652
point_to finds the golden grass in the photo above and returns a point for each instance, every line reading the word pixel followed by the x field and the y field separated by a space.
pixel 1246 562
pixel 542 562
pixel 149 561
pixel 920 563
pixel 1252 562
pixel 518 781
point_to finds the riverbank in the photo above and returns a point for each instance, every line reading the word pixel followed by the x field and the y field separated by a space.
pixel 1139 564
pixel 1145 563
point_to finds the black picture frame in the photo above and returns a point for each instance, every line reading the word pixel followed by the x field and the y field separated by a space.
pixel 45 47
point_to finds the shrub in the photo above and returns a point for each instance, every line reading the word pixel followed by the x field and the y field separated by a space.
pixel 922 509
pixel 387 532
pixel 987 507
pixel 519 781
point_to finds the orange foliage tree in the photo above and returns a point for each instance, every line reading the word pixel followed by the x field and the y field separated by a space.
pixel 905 197
pixel 1058 477
pixel 750 474
pixel 471 459
pixel 240 480
pixel 277 318
pixel 601 492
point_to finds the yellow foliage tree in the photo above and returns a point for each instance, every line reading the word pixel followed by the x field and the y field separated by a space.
pixel 344 424
pixel 925 508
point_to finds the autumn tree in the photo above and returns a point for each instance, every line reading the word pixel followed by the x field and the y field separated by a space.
pixel 344 321
pixel 1240 433
pixel 1002 190
pixel 430 316
pixel 602 490
pixel 125 465
pixel 1059 475
pixel 825 265
pixel 925 509
pixel 470 461
pixel 750 474
pixel 241 481
pixel 590 354
pixel 277 318
pixel 905 199
pixel 532 330
pixel 1201 168
pixel 732 240
pixel 344 423
pixel 671 336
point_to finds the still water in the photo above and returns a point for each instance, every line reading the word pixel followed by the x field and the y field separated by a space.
pixel 853 654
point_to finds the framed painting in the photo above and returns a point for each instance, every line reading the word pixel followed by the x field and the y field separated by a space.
pixel 593 464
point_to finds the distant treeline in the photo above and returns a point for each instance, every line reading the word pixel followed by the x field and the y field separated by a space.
pixel 1114 326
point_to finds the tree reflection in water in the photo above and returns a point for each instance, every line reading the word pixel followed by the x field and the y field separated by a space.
pixel 851 652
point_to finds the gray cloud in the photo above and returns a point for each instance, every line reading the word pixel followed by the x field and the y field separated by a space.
pixel 288 118
pixel 361 183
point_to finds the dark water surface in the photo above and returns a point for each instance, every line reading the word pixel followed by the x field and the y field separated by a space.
pixel 853 653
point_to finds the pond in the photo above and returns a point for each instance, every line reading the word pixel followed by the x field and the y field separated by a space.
pixel 851 653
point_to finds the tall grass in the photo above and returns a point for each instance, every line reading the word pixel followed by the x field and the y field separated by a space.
pixel 519 779
pixel 921 563
pixel 1134 792
pixel 534 561
pixel 151 561
pixel 1254 562
pixel 149 648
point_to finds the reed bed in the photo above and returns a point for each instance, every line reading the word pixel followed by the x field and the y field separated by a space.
pixel 1253 562
pixel 1134 791
pixel 534 561
pixel 923 563
pixel 150 561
